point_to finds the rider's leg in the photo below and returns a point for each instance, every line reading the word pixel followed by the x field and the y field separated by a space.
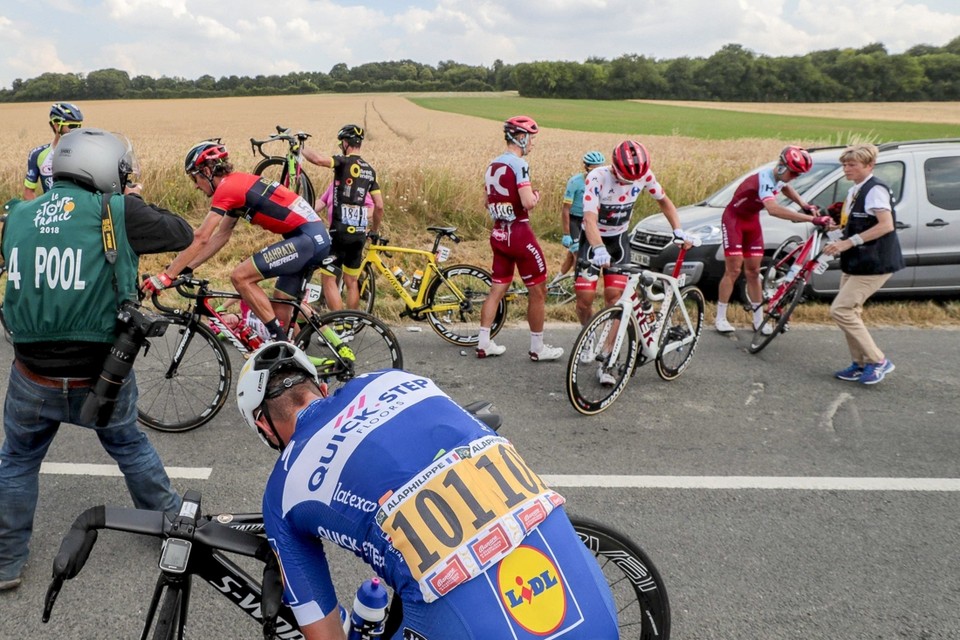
pixel 331 292
pixel 246 279
pixel 751 273
pixel 353 290
pixel 733 266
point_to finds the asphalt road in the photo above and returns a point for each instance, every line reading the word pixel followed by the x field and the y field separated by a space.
pixel 837 554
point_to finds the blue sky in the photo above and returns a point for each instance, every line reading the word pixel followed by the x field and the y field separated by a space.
pixel 190 38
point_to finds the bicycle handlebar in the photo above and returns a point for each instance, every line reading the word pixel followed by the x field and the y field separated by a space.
pixel 283 133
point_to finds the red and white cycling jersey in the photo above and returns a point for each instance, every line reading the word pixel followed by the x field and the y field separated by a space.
pixel 613 200
pixel 753 194
pixel 265 204
pixel 504 178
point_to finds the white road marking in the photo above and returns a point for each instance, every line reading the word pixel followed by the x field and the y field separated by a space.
pixel 78 469
pixel 754 482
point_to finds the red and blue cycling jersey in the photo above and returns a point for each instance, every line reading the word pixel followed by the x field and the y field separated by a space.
pixel 266 204
pixel 753 193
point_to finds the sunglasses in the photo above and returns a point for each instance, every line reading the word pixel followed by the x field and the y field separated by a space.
pixel 68 125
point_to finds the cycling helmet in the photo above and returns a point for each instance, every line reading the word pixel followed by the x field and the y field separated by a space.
pixel 352 133
pixel 796 159
pixel 209 151
pixel 594 158
pixel 65 113
pixel 255 376
pixel 630 160
pixel 516 125
pixel 95 158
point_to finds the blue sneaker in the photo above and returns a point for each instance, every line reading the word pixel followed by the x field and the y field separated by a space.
pixel 851 373
pixel 875 371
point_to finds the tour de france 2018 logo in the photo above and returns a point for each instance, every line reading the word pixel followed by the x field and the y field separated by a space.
pixel 54 211
pixel 531 590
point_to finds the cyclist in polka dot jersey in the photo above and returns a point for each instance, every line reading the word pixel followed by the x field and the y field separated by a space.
pixel 608 200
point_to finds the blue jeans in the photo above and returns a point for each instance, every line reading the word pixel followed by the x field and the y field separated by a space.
pixel 31 417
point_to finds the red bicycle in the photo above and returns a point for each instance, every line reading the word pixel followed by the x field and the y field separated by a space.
pixel 785 279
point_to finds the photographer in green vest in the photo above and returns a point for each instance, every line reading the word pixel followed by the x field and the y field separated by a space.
pixel 72 258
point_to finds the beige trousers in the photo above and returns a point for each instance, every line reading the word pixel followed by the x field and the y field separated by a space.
pixel 847 312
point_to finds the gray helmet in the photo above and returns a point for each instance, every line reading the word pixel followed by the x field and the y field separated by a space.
pixel 95 158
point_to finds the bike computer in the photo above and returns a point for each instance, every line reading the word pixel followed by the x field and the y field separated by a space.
pixel 175 554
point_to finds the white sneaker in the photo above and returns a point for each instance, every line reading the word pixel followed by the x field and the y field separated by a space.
pixel 723 326
pixel 493 349
pixel 605 378
pixel 589 351
pixel 767 329
pixel 546 353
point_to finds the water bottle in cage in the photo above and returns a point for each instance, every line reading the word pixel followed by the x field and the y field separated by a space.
pixel 417 279
pixel 249 336
pixel 400 275
pixel 369 612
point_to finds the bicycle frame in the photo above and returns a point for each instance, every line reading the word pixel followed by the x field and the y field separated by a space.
pixel 294 155
pixel 806 255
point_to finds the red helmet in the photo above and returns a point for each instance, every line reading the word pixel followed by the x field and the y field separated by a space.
pixel 520 124
pixel 204 152
pixel 796 159
pixel 630 160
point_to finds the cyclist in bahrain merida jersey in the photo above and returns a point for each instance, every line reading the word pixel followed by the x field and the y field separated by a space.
pixel 444 510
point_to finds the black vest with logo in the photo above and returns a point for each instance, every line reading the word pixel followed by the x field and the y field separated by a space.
pixel 878 256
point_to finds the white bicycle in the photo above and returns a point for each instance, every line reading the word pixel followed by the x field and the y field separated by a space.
pixel 656 319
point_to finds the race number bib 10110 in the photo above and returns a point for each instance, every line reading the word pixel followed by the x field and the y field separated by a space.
pixel 464 513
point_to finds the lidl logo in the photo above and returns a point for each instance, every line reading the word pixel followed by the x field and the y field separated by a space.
pixel 531 590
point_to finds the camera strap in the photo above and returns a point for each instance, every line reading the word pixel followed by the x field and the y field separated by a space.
pixel 106 229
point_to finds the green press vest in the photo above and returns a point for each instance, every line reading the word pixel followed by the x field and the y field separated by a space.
pixel 60 286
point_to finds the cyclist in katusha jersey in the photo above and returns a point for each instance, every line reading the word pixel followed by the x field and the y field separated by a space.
pixel 269 205
pixel 354 180
pixel 571 213
pixel 510 198
pixel 743 236
pixel 472 542
pixel 611 192
pixel 64 117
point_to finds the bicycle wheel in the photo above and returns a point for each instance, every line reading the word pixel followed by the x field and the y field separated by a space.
pixel 593 380
pixel 373 345
pixel 643 609
pixel 679 340
pixel 560 290
pixel 275 169
pixel 455 301
pixel 777 317
pixel 773 274
pixel 168 616
pixel 183 378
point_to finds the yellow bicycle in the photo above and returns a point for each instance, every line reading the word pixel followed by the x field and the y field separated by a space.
pixel 449 298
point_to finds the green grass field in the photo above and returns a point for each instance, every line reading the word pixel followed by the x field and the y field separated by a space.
pixel 708 124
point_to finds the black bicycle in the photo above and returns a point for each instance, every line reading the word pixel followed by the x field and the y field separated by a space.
pixel 195 545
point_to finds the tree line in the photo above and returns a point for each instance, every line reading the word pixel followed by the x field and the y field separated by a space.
pixel 734 74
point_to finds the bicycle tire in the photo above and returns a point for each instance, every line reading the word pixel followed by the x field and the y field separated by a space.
pixel 184 395
pixel 373 344
pixel 461 325
pixel 275 169
pixel 773 274
pixel 168 616
pixel 671 364
pixel 640 596
pixel 584 389
pixel 561 291
pixel 779 316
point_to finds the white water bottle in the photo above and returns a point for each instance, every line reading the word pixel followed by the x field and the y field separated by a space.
pixel 369 612
pixel 794 270
pixel 400 275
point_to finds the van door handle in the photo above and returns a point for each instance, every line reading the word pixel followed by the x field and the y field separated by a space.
pixel 901 226
pixel 938 223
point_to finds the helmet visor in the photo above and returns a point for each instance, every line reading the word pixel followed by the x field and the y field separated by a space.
pixel 129 164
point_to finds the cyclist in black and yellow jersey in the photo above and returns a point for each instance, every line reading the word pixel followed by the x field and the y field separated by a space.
pixel 352 219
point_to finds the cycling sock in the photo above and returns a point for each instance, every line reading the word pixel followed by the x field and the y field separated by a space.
pixel 536 342
pixel 722 310
pixel 484 338
pixel 276 331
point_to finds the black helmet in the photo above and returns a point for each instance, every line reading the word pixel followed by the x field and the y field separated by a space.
pixel 352 133
pixel 96 158
pixel 65 113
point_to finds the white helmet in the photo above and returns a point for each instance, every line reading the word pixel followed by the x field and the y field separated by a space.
pixel 256 372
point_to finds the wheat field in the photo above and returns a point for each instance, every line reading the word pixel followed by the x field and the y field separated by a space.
pixel 430 164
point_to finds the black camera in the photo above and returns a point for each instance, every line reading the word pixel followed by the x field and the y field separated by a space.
pixel 134 326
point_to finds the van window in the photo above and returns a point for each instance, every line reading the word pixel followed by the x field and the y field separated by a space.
pixel 942 176
pixel 890 173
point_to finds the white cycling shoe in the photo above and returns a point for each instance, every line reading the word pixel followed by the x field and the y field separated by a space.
pixel 723 326
pixel 605 378
pixel 546 354
pixel 493 349
pixel 766 330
